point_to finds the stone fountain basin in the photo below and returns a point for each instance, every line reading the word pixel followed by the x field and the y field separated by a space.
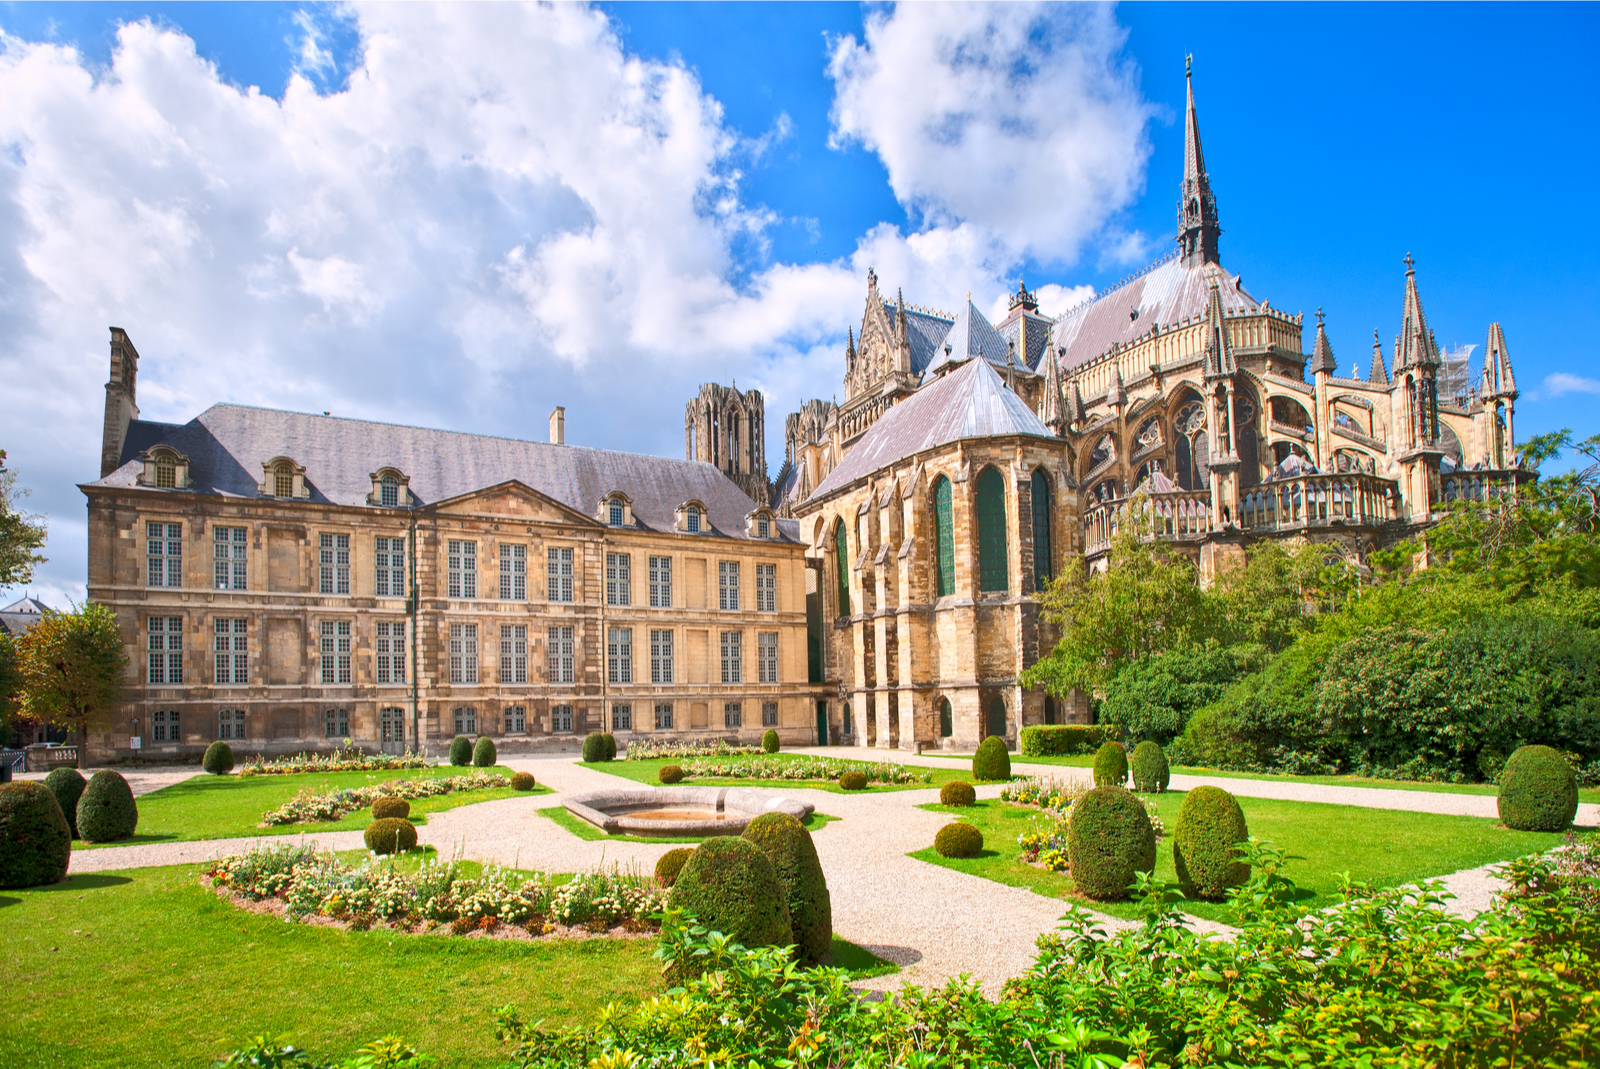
pixel 681 810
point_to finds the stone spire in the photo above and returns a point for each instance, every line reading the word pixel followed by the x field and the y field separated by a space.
pixel 1497 378
pixel 1379 371
pixel 1116 395
pixel 1219 358
pixel 1415 347
pixel 1321 352
pixel 1198 229
pixel 1052 406
pixel 1074 401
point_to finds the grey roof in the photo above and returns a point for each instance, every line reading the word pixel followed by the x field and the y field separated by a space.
pixel 22 614
pixel 969 336
pixel 227 445
pixel 1038 330
pixel 924 330
pixel 970 402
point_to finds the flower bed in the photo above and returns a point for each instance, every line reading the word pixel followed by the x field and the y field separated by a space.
pixel 308 808
pixel 1047 846
pixel 344 759
pixel 801 768
pixel 1038 792
pixel 645 750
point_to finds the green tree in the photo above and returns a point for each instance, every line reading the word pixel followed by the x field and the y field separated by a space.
pixel 10 699
pixel 21 533
pixel 1273 597
pixel 1154 698
pixel 72 666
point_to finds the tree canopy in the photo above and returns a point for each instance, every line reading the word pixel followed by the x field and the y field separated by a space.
pixel 22 534
pixel 71 667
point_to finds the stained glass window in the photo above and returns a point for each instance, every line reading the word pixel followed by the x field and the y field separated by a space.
pixel 841 553
pixel 992 571
pixel 944 537
pixel 1043 552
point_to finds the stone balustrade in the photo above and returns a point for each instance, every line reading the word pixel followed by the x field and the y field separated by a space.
pixel 1341 498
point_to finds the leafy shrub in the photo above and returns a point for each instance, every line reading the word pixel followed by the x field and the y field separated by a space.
pixel 958 793
pixel 669 864
pixel 769 741
pixel 35 840
pixel 1111 765
pixel 1151 773
pixel 107 811
pixel 1538 791
pixel 1109 839
pixel 798 767
pixel 958 840
pixel 391 806
pixel 670 774
pixel 594 748
pixel 483 754
pixel 351 759
pixel 788 845
pixel 461 751
pixel 611 746
pixel 218 759
pixel 1154 698
pixel 992 761
pixel 67 785
pixel 391 835
pixel 1208 844
pixel 853 780
pixel 646 749
pixel 730 886
pixel 523 781
pixel 306 807
pixel 1061 740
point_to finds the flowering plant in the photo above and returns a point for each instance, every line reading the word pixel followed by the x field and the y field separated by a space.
pixel 645 749
pixel 800 767
pixel 347 758
pixel 307 808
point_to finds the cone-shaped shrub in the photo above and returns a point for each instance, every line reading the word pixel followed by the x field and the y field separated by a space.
pixel 523 781
pixel 670 774
pixel 107 812
pixel 483 754
pixel 731 887
pixel 67 785
pixel 670 864
pixel 957 792
pixel 594 747
pixel 218 759
pixel 611 746
pixel 35 841
pixel 1151 774
pixel 1111 765
pixel 461 751
pixel 769 741
pixel 958 840
pixel 389 807
pixel 1109 838
pixel 853 780
pixel 788 845
pixel 1205 845
pixel 1538 791
pixel 992 761
pixel 391 835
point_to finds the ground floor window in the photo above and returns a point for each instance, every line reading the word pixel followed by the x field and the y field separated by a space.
pixel 947 725
pixel 1049 710
pixel 392 724
pixel 466 721
pixel 164 727
pixel 336 724
pixel 561 718
pixel 230 724
pixel 769 714
pixel 732 715
pixel 997 717
pixel 622 717
pixel 663 716
pixel 516 720
pixel 849 724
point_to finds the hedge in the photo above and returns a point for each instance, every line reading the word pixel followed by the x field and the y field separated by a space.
pixel 1538 791
pixel 461 751
pixel 958 840
pixel 1207 842
pixel 992 761
pixel 1109 838
pixel 107 811
pixel 391 835
pixel 1061 740
pixel 218 759
pixel 1111 765
pixel 483 754
pixel 67 784
pixel 1151 773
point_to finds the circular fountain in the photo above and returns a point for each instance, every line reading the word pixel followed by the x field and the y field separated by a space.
pixel 680 810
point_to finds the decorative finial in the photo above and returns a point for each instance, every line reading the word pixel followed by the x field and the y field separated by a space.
pixel 1375 341
pixel 1410 264
pixel 1319 317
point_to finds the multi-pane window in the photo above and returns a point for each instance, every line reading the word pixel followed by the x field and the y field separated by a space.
pixel 660 656
pixel 335 638
pixel 619 654
pixel 990 495
pixel 766 588
pixel 732 668
pixel 691 521
pixel 232 647
pixel 282 482
pixel 661 582
pixel 230 724
pixel 513 653
pixel 392 725
pixel 728 585
pixel 619 579
pixel 614 512
pixel 763 527
pixel 166 473
pixel 663 716
pixel 463 650
pixel 228 547
pixel 561 718
pixel 391 564
pixel 767 656
pixel 558 572
pixel 391 651
pixel 165 548
pixel 513 572
pixel 164 726
pixel 622 717
pixel 769 714
pixel 732 715
pixel 944 537
pixel 334 558
pixel 463 569
pixel 336 724
pixel 466 720
pixel 516 720
pixel 389 491
pixel 559 647
pixel 166 650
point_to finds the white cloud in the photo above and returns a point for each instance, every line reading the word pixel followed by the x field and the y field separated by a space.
pixel 1560 383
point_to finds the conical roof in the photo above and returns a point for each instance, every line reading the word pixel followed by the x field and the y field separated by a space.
pixel 1321 352
pixel 1415 346
pixel 1378 372
pixel 971 335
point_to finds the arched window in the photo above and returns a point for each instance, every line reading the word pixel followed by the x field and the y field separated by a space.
pixel 614 512
pixel 1190 448
pixel 283 481
pixel 944 541
pixel 991 502
pixel 841 556
pixel 997 718
pixel 1043 552
pixel 691 520
pixel 389 491
pixel 947 725
pixel 1149 434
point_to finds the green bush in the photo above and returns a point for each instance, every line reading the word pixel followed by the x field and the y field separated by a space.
pixel 1111 765
pixel 730 886
pixel 670 774
pixel 483 754
pixel 218 759
pixel 1538 791
pixel 611 746
pixel 67 785
pixel 1208 843
pixel 523 781
pixel 390 807
pixel 1109 838
pixel 1154 698
pixel 1061 740
pixel 769 741
pixel 958 840
pixel 594 747
pixel 669 864
pixel 461 751
pixel 853 780
pixel 392 835
pixel 992 761
pixel 788 845
pixel 1148 764
pixel 958 793
pixel 107 811
pixel 35 840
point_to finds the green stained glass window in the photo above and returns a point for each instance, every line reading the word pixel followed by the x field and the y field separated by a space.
pixel 992 572
pixel 944 542
pixel 1043 552
pixel 841 552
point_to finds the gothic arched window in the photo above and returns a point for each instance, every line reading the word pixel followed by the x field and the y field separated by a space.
pixel 1043 551
pixel 993 573
pixel 944 542
pixel 1191 450
pixel 1105 449
pixel 1149 433
pixel 947 726
pixel 841 553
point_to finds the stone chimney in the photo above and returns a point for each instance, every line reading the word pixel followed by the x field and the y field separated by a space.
pixel 122 405
pixel 558 426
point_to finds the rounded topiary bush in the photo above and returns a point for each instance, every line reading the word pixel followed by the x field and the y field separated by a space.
pixel 106 811
pixel 670 774
pixel 731 887
pixel 1151 773
pixel 218 759
pixel 1109 838
pixel 67 785
pixel 670 864
pixel 391 835
pixel 957 792
pixel 484 754
pixel 958 840
pixel 523 781
pixel 992 761
pixel 1538 791
pixel 853 780
pixel 461 751
pixel 1110 765
pixel 769 741
pixel 788 845
pixel 391 807
pixel 1205 845
pixel 611 746
pixel 35 840
pixel 594 747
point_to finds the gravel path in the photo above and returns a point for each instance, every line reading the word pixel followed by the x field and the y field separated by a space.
pixel 141 780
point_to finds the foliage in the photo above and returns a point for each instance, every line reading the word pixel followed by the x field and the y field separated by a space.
pixel 71 667
pixel 10 683
pixel 648 750
pixel 269 1052
pixel 1110 765
pixel 788 845
pixel 218 759
pixel 390 805
pixel 22 534
pixel 801 768
pixel 523 781
pixel 957 793
pixel 611 746
pixel 594 747
pixel 1208 844
pixel 307 808
pixel 769 741
pixel 1046 846
pixel 1151 774
pixel 35 840
pixel 853 779
pixel 670 774
pixel 1063 740
pixel 731 887
pixel 1153 698
pixel 1109 841
pixel 958 839
pixel 346 758
pixel 992 761
pixel 483 753
pixel 106 810
pixel 390 835
pixel 669 864
pixel 67 784
pixel 461 751
pixel 1538 791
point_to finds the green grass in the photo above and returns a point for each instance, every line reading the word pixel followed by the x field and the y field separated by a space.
pixel 227 807
pixel 1382 847
pixel 584 830
pixel 646 772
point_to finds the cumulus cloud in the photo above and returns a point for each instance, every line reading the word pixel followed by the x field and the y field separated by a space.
pixel 1560 383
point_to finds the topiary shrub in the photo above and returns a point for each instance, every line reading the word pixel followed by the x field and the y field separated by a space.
pixel 35 840
pixel 769 741
pixel 788 845
pixel 730 886
pixel 1110 765
pixel 670 864
pixel 992 761
pixel 1538 791
pixel 611 746
pixel 390 807
pixel 594 747
pixel 853 780
pixel 957 792
pixel 1205 845
pixel 1151 773
pixel 958 840
pixel 670 774
pixel 218 759
pixel 484 754
pixel 67 785
pixel 391 835
pixel 1061 740
pixel 1109 838
pixel 523 781
pixel 107 811
pixel 461 751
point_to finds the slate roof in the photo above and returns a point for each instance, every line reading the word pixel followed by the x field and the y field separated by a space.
pixel 227 445
pixel 969 336
pixel 925 330
pixel 1039 330
pixel 22 614
pixel 970 402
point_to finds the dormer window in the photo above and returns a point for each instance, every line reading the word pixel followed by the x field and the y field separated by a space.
pixel 616 510
pixel 763 528
pixel 691 517
pixel 614 513
pixel 166 473
pixel 281 477
pixel 390 489
pixel 759 524
pixel 165 469
pixel 283 481
pixel 691 520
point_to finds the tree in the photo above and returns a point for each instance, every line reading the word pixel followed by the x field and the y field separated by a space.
pixel 72 666
pixel 21 533
pixel 9 685
pixel 1265 599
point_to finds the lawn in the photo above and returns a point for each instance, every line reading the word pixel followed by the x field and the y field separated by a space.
pixel 584 830
pixel 226 807
pixel 1379 846
pixel 646 772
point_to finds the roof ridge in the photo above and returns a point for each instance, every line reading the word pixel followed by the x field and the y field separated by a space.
pixel 1145 270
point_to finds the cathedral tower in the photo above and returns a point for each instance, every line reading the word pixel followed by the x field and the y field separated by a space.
pixel 726 428
pixel 1198 229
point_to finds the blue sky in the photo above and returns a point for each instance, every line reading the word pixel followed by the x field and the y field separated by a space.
pixel 490 211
